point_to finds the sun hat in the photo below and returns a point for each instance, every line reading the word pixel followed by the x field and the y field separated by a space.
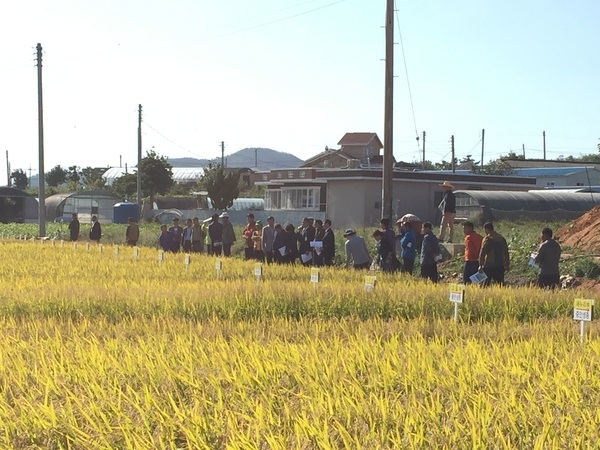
pixel 349 232
pixel 447 184
pixel 224 214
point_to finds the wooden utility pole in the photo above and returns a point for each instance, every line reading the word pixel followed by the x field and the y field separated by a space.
pixel 544 143
pixel 139 164
pixel 41 173
pixel 452 144
pixel 388 138
pixel 482 145
pixel 223 154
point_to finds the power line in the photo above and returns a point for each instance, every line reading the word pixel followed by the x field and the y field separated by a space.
pixel 406 72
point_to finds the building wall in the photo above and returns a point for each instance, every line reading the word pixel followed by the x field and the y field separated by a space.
pixel 357 203
pixel 579 179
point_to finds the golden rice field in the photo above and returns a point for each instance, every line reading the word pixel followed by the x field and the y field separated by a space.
pixel 106 351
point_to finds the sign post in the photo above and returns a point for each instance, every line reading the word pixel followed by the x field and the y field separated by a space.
pixel 315 276
pixel 219 267
pixel 186 262
pixel 370 281
pixel 582 311
pixel 116 252
pixel 161 256
pixel 258 272
pixel 457 295
pixel 136 253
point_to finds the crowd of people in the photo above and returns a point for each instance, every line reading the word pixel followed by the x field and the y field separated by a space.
pixel 486 257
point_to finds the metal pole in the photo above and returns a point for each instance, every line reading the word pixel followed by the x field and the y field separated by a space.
pixel 388 150
pixel 41 181
pixel 139 163
pixel 482 144
pixel 544 143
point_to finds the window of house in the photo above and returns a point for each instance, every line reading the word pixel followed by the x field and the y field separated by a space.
pixel 293 198
pixel 549 183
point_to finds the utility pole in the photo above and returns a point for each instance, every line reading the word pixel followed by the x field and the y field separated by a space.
pixel 482 145
pixel 139 164
pixel 223 154
pixel 256 158
pixel 544 143
pixel 452 144
pixel 41 181
pixel 523 145
pixel 388 138
pixel 424 150
pixel 7 170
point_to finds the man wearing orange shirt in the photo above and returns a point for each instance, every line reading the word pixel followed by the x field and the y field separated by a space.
pixel 472 248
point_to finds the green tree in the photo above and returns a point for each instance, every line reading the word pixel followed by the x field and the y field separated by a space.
pixel 56 176
pixel 125 185
pixel 19 179
pixel 157 175
pixel 74 177
pixel 222 188
pixel 92 177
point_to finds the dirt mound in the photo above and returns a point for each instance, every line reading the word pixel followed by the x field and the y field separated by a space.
pixel 583 233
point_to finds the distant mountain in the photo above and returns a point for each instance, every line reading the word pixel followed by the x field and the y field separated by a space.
pixel 261 158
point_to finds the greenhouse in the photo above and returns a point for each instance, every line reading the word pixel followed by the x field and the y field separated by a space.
pixel 17 206
pixel 59 207
pixel 512 205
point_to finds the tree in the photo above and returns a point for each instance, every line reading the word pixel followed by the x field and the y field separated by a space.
pixel 92 177
pixel 157 175
pixel 56 176
pixel 495 167
pixel 73 177
pixel 20 179
pixel 222 188
pixel 125 185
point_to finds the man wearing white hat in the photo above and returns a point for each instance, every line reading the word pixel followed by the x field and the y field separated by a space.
pixel 228 233
pixel 448 208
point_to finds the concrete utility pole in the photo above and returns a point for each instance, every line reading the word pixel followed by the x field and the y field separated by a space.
pixel 223 154
pixel 7 170
pixel 544 143
pixel 388 138
pixel 41 173
pixel 424 150
pixel 523 145
pixel 453 165
pixel 482 144
pixel 139 164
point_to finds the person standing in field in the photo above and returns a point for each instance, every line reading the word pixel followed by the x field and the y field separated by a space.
pixel 132 233
pixel 317 252
pixel 357 253
pixel 268 236
pixel 279 243
pixel 165 239
pixel 388 246
pixel 187 235
pixel 95 230
pixel 228 233
pixel 328 252
pixel 259 255
pixel 74 227
pixel 547 258
pixel 494 259
pixel 291 245
pixel 448 208
pixel 408 243
pixel 247 235
pixel 306 235
pixel 473 242
pixel 177 233
pixel 198 236
pixel 215 232
pixel 430 251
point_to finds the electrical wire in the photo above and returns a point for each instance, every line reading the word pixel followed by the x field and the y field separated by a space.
pixel 407 78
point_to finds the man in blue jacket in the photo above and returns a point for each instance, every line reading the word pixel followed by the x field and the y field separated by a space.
pixel 430 251
pixel 408 243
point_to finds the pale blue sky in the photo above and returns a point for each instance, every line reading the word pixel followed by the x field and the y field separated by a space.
pixel 295 76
